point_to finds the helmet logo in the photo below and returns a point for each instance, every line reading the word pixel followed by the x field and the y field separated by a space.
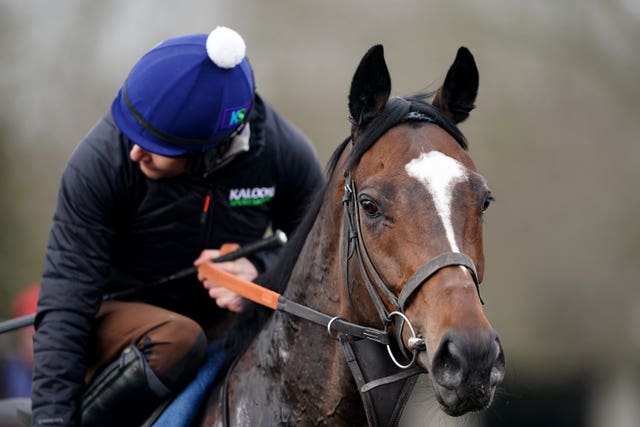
pixel 234 117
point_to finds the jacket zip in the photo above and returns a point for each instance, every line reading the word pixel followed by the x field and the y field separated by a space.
pixel 205 207
pixel 205 217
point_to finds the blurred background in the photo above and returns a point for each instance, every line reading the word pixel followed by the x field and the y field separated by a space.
pixel 555 133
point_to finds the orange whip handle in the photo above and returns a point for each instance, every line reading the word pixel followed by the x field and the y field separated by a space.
pixel 244 288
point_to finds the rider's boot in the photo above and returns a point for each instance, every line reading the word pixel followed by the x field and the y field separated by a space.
pixel 124 393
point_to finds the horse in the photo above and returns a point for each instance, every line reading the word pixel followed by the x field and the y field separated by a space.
pixel 390 254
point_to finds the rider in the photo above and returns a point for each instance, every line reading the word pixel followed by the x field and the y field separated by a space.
pixel 188 157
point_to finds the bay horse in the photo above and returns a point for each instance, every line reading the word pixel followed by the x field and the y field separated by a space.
pixel 391 253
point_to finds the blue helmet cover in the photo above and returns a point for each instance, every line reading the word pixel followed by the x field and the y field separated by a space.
pixel 176 100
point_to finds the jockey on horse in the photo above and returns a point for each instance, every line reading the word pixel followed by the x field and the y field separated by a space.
pixel 188 157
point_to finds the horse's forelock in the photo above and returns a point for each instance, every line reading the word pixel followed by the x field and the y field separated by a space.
pixel 394 113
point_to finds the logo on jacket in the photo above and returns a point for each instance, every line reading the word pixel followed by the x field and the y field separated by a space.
pixel 250 196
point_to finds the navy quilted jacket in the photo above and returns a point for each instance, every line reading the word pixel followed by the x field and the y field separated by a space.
pixel 114 229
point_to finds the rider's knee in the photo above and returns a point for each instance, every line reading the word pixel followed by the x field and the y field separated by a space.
pixel 175 350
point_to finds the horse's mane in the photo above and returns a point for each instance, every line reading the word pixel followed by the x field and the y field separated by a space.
pixel 254 316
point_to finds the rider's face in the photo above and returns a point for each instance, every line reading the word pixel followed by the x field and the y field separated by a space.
pixel 155 166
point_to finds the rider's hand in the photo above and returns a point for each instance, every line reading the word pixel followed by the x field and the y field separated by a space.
pixel 242 268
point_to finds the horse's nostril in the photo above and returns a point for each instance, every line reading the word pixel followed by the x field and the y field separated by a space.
pixel 451 378
pixel 496 376
pixel 498 368
pixel 449 366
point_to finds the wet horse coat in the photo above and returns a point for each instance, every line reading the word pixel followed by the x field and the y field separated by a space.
pixel 415 197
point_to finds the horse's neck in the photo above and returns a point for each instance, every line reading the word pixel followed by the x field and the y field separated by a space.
pixel 317 278
pixel 302 358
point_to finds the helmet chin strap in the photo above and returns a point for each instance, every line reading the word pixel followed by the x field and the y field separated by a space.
pixel 202 165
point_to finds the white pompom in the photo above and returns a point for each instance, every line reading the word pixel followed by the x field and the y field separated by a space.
pixel 225 47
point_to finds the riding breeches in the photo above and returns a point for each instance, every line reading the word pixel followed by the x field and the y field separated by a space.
pixel 173 345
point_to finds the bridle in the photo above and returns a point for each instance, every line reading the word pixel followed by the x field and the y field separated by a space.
pixel 376 285
pixel 398 382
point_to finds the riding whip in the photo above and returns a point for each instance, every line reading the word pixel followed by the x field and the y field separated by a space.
pixel 277 239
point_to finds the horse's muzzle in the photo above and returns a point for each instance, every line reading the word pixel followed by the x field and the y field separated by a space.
pixel 465 373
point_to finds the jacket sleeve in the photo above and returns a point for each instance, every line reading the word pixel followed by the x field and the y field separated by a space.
pixel 75 271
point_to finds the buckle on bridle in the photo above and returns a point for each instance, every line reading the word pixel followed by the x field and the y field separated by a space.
pixel 333 319
pixel 348 194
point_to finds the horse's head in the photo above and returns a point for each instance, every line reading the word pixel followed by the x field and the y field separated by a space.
pixel 417 208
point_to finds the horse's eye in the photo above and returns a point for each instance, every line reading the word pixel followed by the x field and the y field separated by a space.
pixel 369 207
pixel 488 198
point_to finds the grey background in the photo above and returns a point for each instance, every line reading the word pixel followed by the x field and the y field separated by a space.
pixel 555 134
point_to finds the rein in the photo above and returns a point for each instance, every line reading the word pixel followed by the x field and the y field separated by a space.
pixel 278 302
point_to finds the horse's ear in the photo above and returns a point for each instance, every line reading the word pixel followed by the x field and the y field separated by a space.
pixel 370 87
pixel 457 95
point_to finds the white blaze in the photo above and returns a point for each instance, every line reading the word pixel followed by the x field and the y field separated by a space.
pixel 439 173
